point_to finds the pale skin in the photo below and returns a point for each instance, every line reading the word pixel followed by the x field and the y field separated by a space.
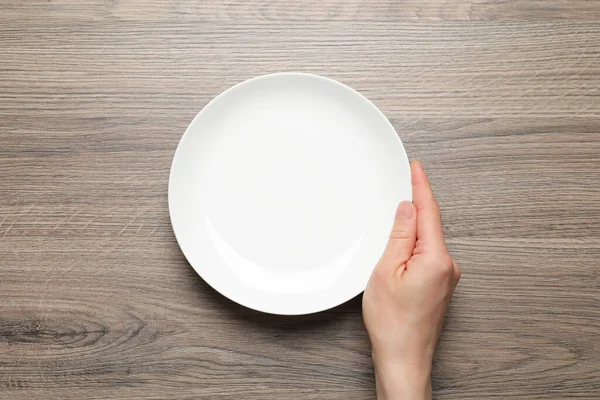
pixel 407 296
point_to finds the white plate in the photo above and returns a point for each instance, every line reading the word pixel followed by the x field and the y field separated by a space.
pixel 283 191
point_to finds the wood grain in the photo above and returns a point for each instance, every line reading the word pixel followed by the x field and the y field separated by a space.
pixel 500 99
pixel 283 11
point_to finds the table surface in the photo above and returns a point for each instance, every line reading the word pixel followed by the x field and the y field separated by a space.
pixel 499 99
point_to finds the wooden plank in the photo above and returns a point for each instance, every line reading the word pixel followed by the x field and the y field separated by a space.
pixel 307 11
pixel 472 70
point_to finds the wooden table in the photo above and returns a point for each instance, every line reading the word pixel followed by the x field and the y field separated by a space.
pixel 499 99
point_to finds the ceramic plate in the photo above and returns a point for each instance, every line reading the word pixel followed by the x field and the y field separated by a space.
pixel 283 191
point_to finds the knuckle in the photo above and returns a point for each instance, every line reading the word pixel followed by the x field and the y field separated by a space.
pixel 399 233
pixel 435 209
pixel 457 272
pixel 447 269
pixel 444 265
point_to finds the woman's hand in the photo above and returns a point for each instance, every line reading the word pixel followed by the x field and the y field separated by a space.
pixel 407 296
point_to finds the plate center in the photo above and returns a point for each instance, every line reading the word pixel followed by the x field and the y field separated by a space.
pixel 282 196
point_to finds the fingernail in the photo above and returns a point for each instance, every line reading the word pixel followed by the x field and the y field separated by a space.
pixel 405 210
pixel 418 164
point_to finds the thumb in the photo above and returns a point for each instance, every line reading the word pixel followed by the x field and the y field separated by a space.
pixel 402 240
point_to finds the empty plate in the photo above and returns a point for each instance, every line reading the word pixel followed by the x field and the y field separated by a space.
pixel 283 190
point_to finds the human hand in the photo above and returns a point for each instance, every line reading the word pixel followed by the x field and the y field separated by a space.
pixel 407 296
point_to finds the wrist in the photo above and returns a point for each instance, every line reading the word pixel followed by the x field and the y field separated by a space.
pixel 399 380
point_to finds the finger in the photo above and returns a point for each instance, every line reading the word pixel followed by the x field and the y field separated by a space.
pixel 402 240
pixel 429 223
